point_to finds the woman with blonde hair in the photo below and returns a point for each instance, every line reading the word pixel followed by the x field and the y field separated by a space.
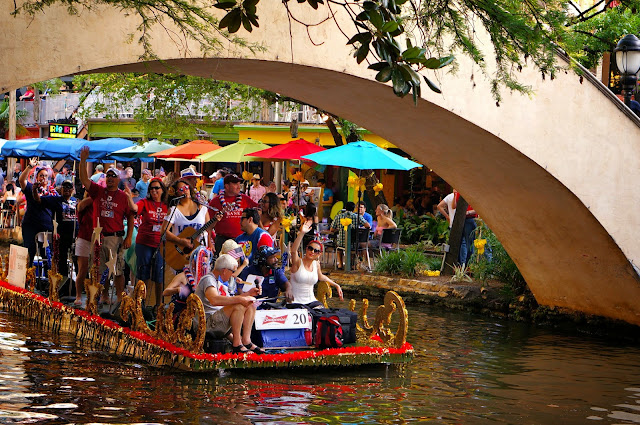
pixel 384 217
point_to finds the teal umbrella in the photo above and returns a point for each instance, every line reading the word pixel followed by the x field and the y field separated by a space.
pixel 362 155
pixel 144 150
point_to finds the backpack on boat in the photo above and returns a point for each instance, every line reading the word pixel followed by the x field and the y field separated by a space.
pixel 328 332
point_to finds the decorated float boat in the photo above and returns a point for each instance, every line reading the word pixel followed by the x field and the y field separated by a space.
pixel 175 345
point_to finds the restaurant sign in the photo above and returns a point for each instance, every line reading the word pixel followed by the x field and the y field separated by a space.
pixel 63 131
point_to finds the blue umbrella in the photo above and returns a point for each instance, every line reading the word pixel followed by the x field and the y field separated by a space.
pixel 142 151
pixel 70 148
pixel 362 155
pixel 25 148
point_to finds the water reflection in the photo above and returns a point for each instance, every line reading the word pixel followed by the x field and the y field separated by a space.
pixel 467 369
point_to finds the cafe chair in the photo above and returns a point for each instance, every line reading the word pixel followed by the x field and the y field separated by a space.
pixel 390 240
pixel 361 246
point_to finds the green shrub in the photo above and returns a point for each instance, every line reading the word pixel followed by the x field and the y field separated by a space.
pixel 501 267
pixel 423 228
pixel 406 262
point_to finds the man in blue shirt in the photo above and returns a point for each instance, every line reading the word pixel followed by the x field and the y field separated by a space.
pixel 365 214
pixel 274 278
pixel 219 184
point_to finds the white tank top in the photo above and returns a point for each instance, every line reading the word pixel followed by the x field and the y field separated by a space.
pixel 302 283
pixel 180 222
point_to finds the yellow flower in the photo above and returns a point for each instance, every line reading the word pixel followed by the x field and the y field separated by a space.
pixel 346 222
pixel 432 272
pixel 377 188
pixel 286 224
pixel 479 244
pixel 247 175
pixel 357 183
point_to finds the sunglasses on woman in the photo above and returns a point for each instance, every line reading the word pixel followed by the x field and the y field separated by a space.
pixel 314 250
pixel 155 188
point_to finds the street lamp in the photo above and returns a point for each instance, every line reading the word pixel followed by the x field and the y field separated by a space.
pixel 628 61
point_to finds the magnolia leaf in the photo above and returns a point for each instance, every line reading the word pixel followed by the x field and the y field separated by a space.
pixel 379 66
pixel 384 75
pixel 431 85
pixel 432 63
pixel 390 26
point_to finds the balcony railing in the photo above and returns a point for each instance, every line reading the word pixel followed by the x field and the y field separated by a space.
pixel 59 106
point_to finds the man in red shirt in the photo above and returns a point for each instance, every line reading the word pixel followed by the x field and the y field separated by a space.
pixel 232 203
pixel 111 207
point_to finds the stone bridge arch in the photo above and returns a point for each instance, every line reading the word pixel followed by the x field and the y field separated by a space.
pixel 545 173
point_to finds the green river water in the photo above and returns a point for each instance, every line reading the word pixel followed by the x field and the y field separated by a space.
pixel 467 370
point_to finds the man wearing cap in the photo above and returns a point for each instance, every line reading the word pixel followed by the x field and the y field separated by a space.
pixel 232 203
pixel 143 184
pixel 252 237
pixel 256 191
pixel 191 177
pixel 274 277
pixel 111 207
pixel 64 212
pixel 63 175
pixel 219 183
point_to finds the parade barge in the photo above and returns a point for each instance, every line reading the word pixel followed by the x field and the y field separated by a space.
pixel 178 347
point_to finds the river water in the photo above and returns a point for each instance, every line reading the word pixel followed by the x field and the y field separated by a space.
pixel 467 370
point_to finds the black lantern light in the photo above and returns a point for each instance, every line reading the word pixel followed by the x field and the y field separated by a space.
pixel 628 61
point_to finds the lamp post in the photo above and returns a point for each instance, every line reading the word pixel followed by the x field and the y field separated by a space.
pixel 628 60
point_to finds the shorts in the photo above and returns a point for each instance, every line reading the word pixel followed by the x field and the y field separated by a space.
pixel 112 246
pixel 218 324
pixel 144 269
pixel 83 248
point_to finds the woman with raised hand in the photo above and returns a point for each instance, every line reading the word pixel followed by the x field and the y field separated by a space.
pixel 306 272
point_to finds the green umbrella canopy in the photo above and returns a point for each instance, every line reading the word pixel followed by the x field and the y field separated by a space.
pixel 144 150
pixel 236 152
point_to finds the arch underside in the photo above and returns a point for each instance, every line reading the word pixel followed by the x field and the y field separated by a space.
pixel 567 258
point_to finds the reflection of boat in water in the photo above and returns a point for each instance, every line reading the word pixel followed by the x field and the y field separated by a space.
pixel 177 346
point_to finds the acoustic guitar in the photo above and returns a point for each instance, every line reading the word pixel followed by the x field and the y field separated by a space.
pixel 177 256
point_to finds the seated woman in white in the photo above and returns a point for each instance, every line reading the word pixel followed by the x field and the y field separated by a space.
pixel 305 271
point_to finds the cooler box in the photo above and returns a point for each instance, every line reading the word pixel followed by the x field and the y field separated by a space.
pixel 286 328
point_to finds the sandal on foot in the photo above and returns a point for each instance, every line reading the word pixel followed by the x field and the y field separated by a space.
pixel 239 350
pixel 255 349
pixel 77 303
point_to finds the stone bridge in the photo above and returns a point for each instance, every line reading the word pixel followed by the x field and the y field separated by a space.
pixel 553 175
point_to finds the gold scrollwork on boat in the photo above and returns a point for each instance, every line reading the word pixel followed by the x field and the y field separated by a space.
pixel 392 303
pixel 131 309
pixel 30 278
pixel 94 290
pixel 5 268
pixel 193 310
pixel 54 285
pixel 324 293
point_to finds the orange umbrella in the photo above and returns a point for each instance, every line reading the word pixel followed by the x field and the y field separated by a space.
pixel 187 151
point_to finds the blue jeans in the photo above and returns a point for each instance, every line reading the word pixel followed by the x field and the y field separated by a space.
pixel 466 244
pixel 145 269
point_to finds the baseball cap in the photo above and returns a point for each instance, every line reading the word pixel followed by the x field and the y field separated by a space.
pixel 188 172
pixel 67 183
pixel 113 171
pixel 267 251
pixel 305 182
pixel 146 172
pixel 256 177
pixel 231 178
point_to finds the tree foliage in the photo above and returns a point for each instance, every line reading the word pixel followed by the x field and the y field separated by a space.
pixel 166 104
pixel 599 32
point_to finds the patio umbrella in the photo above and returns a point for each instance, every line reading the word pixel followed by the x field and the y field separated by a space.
pixel 361 155
pixel 188 151
pixel 24 148
pixel 144 150
pixel 70 148
pixel 293 150
pixel 236 152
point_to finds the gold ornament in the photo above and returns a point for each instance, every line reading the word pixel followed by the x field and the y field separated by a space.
pixel 94 289
pixel 54 284
pixel 194 309
pixel 377 188
pixel 324 293
pixel 392 302
pixel 131 310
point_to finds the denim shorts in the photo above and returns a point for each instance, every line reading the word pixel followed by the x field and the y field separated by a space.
pixel 144 271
